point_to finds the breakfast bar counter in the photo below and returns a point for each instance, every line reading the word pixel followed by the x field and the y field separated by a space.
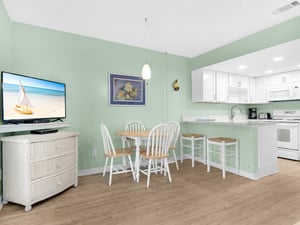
pixel 257 141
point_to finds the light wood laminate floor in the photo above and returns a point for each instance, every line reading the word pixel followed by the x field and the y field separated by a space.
pixel 194 197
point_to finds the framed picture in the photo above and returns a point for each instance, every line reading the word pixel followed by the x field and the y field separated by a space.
pixel 126 90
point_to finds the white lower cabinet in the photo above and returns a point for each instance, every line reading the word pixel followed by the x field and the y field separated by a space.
pixel 36 167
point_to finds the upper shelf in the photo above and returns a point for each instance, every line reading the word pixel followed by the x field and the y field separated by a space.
pixel 6 128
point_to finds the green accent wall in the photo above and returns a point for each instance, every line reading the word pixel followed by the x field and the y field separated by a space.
pixel 84 64
pixel 278 34
pixel 5 39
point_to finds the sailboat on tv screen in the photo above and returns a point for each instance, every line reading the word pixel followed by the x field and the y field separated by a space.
pixel 24 106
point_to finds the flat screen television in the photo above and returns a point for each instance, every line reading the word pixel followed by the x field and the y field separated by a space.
pixel 28 99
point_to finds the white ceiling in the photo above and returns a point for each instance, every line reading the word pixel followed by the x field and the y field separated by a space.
pixel 182 27
pixel 259 62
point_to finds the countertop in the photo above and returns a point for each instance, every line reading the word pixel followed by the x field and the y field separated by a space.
pixel 225 120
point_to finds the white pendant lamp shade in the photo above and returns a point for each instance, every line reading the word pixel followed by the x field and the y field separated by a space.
pixel 146 72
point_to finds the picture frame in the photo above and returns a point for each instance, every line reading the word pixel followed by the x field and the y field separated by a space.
pixel 126 90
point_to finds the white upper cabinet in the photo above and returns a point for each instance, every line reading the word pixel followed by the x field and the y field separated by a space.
pixel 221 87
pixel 238 89
pixel 212 86
pixel 260 90
pixel 238 81
pixel 203 86
pixel 209 86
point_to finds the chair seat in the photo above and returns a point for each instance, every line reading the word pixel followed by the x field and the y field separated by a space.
pixel 144 154
pixel 120 152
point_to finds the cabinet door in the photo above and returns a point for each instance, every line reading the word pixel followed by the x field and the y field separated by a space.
pixel 209 86
pixel 260 90
pixel 203 86
pixel 251 89
pixel 221 87
pixel 238 81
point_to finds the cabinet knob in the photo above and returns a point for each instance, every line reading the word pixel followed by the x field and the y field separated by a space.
pixel 58 146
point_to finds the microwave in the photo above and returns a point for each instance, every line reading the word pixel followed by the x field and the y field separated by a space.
pixel 280 93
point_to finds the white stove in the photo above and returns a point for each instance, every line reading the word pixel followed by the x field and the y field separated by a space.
pixel 288 133
pixel 293 115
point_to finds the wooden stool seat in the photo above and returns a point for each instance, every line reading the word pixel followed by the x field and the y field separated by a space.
pixel 197 144
pixel 223 154
pixel 222 139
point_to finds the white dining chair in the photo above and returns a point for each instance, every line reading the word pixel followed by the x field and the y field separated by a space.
pixel 158 145
pixel 133 125
pixel 176 129
pixel 112 153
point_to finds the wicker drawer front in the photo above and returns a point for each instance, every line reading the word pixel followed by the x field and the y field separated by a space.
pixel 44 150
pixel 52 166
pixel 44 188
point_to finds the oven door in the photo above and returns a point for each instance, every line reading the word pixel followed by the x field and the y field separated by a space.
pixel 287 135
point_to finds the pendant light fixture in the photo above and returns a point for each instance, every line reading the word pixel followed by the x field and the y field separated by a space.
pixel 146 71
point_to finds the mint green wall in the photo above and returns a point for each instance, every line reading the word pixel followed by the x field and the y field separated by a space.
pixel 5 55
pixel 5 39
pixel 83 64
pixel 275 35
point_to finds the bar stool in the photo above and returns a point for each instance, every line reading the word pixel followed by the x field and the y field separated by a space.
pixel 194 142
pixel 223 157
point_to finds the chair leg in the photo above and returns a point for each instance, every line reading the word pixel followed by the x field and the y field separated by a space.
pixel 131 166
pixel 204 150
pixel 111 168
pixel 168 170
pixel 124 163
pixel 149 172
pixel 236 158
pixel 223 160
pixel 193 153
pixel 106 160
pixel 175 158
pixel 208 158
pixel 181 150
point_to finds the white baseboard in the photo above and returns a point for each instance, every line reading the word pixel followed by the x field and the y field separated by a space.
pixel 252 176
pixel 90 171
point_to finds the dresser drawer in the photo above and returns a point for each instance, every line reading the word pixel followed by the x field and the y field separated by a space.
pixel 41 189
pixel 44 150
pixel 52 166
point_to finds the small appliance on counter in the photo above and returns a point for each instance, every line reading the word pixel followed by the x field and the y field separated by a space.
pixel 252 113
pixel 264 116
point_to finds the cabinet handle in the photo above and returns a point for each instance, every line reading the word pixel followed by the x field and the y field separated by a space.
pixel 58 183
pixel 58 146
pixel 58 165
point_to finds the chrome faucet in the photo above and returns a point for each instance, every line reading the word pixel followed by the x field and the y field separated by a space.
pixel 232 110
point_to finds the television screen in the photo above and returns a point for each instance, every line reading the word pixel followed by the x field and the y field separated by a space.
pixel 27 98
